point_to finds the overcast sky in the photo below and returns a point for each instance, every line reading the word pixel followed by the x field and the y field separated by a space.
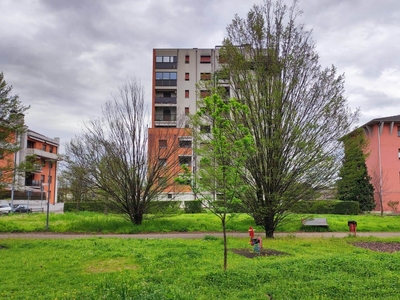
pixel 65 58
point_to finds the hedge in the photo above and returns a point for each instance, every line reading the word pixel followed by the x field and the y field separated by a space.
pixel 156 207
pixel 327 207
pixel 193 207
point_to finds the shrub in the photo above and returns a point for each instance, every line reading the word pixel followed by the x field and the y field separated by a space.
pixel 327 207
pixel 165 207
pixel 193 207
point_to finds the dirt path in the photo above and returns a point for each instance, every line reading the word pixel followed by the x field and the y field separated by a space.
pixel 186 235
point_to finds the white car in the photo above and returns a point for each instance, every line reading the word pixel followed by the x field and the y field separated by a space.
pixel 5 209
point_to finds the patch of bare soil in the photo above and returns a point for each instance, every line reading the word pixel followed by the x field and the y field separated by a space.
pixel 387 247
pixel 249 253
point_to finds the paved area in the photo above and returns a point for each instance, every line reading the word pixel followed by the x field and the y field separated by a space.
pixel 196 235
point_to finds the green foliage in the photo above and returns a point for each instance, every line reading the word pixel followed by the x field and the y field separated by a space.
pixel 297 108
pixel 193 207
pixel 92 206
pixel 90 222
pixel 109 268
pixel 165 207
pixel 355 183
pixel 327 207
pixel 11 125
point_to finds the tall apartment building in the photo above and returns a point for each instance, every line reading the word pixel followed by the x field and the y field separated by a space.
pixel 175 91
pixel 41 182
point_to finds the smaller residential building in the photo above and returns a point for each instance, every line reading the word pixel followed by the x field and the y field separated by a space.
pixel 43 179
pixel 383 160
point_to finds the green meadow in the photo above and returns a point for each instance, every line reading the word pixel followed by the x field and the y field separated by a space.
pixel 112 268
pixel 88 222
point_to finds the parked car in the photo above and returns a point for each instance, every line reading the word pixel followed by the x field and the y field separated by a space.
pixel 22 208
pixel 5 209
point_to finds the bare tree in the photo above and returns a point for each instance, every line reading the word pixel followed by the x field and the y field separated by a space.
pixel 132 166
pixel 380 182
pixel 297 111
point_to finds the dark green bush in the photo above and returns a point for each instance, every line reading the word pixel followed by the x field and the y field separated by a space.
pixel 193 207
pixel 347 208
pixel 94 206
pixel 326 207
pixel 232 207
pixel 165 207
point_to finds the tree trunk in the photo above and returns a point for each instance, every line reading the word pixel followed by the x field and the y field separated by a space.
pixel 269 226
pixel 137 218
pixel 225 245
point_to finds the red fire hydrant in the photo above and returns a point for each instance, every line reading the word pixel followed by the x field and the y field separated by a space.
pixel 251 233
pixel 352 226
pixel 255 242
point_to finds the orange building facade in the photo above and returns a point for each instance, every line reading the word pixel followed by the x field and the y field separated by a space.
pixel 175 92
pixel 383 160
pixel 43 179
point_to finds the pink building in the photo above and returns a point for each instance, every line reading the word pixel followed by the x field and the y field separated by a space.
pixel 383 161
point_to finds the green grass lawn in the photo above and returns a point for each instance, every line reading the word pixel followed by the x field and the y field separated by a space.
pixel 86 222
pixel 111 268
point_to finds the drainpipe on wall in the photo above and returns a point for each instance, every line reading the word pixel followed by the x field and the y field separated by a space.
pixel 380 128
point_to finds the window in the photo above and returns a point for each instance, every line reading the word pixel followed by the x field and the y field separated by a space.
pixel 186 76
pixel 204 93
pixel 169 196
pixel 165 75
pixel 398 153
pixel 185 144
pixel 205 76
pixel 44 147
pixel 185 160
pixel 30 144
pixel 186 59
pixel 51 149
pixel 162 162
pixel 162 144
pixel 205 59
pixel 162 181
pixel 166 59
pixel 398 131
pixel 42 178
pixel 186 111
pixel 186 93
pixel 205 129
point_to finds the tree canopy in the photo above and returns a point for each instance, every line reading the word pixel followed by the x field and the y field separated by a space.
pixel 297 110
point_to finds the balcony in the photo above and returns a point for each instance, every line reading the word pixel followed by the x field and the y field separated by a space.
pixel 33 183
pixel 41 153
pixel 165 120
pixel 165 100
pixel 166 65
pixel 166 82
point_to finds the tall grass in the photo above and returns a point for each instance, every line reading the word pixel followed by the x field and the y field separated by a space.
pixel 87 222
pixel 109 268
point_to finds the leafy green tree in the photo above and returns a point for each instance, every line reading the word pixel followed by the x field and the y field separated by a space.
pixel 297 111
pixel 11 126
pixel 219 179
pixel 355 183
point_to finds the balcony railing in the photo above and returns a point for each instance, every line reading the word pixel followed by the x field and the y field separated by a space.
pixel 165 82
pixel 41 153
pixel 30 182
pixel 165 117
pixel 166 100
